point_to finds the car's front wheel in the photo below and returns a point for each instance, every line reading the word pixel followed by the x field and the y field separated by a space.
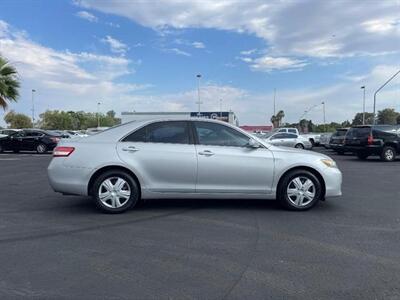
pixel 299 190
pixel 299 146
pixel 115 191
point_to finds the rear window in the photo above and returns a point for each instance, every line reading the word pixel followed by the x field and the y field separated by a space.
pixel 357 132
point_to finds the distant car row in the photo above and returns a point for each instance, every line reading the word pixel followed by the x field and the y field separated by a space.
pixel 368 140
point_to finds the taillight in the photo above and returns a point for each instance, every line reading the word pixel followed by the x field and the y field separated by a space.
pixel 62 151
pixel 370 139
pixel 55 140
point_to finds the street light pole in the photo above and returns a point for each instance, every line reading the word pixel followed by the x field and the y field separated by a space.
pixel 220 109
pixel 381 87
pixel 274 100
pixel 33 108
pixel 98 114
pixel 198 95
pixel 323 109
pixel 363 118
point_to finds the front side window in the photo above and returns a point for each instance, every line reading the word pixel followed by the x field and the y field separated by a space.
pixel 174 132
pixel 290 136
pixel 219 135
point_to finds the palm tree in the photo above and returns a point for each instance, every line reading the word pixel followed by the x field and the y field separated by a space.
pixel 9 83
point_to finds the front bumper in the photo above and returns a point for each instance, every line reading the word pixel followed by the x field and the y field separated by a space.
pixel 333 182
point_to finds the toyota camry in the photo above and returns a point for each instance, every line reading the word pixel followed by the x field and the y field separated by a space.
pixel 188 158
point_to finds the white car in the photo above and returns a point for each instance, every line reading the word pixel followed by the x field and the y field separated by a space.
pixel 188 158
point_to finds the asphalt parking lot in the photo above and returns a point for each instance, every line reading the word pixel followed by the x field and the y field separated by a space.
pixel 61 247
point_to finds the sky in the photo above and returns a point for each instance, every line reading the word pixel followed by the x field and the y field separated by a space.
pixel 144 55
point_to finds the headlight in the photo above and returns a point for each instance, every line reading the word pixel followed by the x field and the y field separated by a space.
pixel 329 163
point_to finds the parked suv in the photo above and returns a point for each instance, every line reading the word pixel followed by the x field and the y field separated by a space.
pixel 336 142
pixel 31 140
pixel 381 140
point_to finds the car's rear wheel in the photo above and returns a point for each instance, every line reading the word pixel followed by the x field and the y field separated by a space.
pixel 299 190
pixel 299 146
pixel 388 153
pixel 362 155
pixel 41 148
pixel 115 191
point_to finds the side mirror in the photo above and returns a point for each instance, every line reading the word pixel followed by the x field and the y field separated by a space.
pixel 253 144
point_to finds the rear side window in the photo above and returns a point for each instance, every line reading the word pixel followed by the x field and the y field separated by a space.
pixel 359 132
pixel 175 132
pixel 292 130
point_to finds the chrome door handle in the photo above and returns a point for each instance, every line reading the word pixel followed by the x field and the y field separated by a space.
pixel 206 153
pixel 130 149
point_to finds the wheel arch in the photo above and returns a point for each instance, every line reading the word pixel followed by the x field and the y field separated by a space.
pixel 311 170
pixel 108 168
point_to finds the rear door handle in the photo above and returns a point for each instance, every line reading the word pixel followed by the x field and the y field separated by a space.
pixel 130 149
pixel 206 153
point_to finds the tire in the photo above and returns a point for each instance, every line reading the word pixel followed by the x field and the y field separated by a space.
pixel 388 154
pixel 41 148
pixel 362 155
pixel 299 146
pixel 292 200
pixel 108 183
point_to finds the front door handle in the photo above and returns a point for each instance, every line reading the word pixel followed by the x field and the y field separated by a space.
pixel 130 149
pixel 206 153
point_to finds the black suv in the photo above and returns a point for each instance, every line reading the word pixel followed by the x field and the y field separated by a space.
pixel 381 140
pixel 336 142
pixel 31 140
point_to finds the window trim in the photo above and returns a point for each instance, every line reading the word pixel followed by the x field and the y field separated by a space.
pixel 190 133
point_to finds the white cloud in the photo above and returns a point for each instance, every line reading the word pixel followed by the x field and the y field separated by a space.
pixel 198 45
pixel 268 63
pixel 64 79
pixel 177 51
pixel 86 16
pixel 290 28
pixel 116 46
pixel 248 52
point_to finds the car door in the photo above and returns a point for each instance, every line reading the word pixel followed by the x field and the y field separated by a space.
pixel 163 154
pixel 226 164
pixel 17 140
pixel 290 140
pixel 31 139
pixel 277 139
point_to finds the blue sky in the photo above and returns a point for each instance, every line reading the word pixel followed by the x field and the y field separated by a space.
pixel 144 55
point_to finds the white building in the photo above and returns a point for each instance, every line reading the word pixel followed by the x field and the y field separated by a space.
pixel 227 116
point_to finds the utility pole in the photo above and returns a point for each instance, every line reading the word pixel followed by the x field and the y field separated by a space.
pixel 220 109
pixel 363 118
pixel 98 114
pixel 33 108
pixel 381 87
pixel 198 95
pixel 274 101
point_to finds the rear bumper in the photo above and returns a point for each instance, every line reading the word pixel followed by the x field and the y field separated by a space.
pixel 68 180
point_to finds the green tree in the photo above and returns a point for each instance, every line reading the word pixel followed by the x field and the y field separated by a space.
pixel 17 121
pixel 387 116
pixel 369 119
pixel 9 83
pixel 277 119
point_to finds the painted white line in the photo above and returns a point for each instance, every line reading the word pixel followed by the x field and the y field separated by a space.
pixel 10 159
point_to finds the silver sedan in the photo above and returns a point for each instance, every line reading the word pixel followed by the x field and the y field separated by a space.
pixel 289 140
pixel 188 158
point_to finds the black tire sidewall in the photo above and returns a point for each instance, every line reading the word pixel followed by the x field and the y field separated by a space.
pixel 282 190
pixel 133 200
pixel 299 146
pixel 383 156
